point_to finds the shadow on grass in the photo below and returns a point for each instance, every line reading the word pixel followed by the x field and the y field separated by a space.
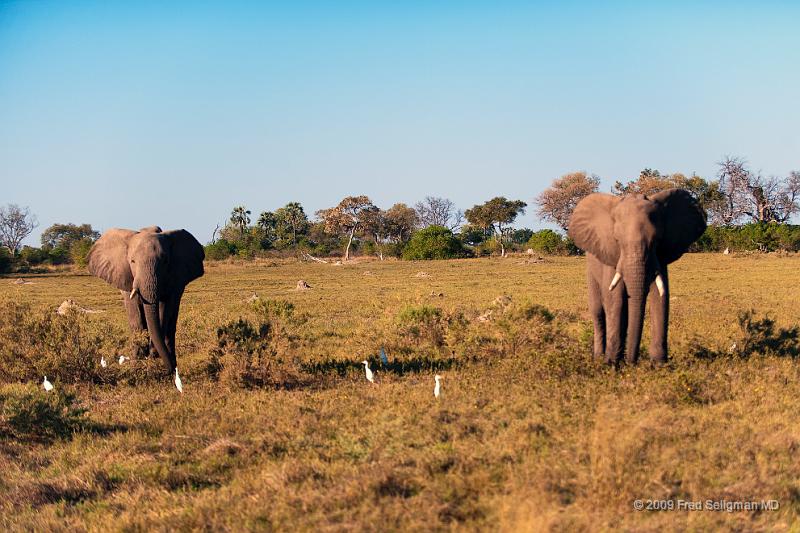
pixel 757 336
pixel 408 366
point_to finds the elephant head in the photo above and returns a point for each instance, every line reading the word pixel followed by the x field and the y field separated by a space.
pixel 639 236
pixel 151 265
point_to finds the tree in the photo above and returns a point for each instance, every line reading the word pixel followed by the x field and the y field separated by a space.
pixel 558 201
pixel 433 242
pixel 495 214
pixel 63 235
pixel 267 223
pixel 240 217
pixel 347 217
pixel 16 223
pixel 434 211
pixel 291 218
pixel 401 221
pixel 752 195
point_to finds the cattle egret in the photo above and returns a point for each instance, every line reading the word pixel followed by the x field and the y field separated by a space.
pixel 178 383
pixel 122 359
pixel 47 385
pixel 103 362
pixel 368 372
pixel 437 387
pixel 384 359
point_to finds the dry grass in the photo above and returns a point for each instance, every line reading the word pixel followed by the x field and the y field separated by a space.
pixel 528 434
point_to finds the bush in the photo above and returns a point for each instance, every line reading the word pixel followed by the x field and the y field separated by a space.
pixel 5 260
pixel 546 241
pixel 58 256
pixel 32 256
pixel 28 413
pixel 248 355
pixel 36 341
pixel 434 242
pixel 762 237
pixel 79 251
pixel 220 250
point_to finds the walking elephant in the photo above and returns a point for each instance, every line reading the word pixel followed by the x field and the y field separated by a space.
pixel 629 243
pixel 151 268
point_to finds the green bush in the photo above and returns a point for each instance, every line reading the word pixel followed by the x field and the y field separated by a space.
pixel 79 251
pixel 28 413
pixel 32 256
pixel 5 260
pixel 58 256
pixel 434 242
pixel 36 341
pixel 760 237
pixel 220 250
pixel 546 241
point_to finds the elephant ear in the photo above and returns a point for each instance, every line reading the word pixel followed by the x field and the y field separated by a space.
pixel 591 226
pixel 108 258
pixel 684 223
pixel 186 262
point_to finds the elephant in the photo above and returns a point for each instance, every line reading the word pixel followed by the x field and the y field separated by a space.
pixel 629 241
pixel 151 268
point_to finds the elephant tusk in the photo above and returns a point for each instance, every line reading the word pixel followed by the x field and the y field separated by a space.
pixel 660 285
pixel 617 277
pixel 133 293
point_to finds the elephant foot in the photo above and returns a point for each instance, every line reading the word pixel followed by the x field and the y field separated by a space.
pixel 658 361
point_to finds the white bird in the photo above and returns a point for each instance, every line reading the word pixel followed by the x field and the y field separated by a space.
pixel 47 385
pixel 103 362
pixel 437 387
pixel 122 359
pixel 178 383
pixel 368 372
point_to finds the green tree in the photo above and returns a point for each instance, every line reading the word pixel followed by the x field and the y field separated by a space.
pixel 291 219
pixel 347 217
pixel 433 242
pixel 240 217
pixel 496 214
pixel 63 235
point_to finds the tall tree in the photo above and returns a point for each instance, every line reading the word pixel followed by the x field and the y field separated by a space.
pixel 347 217
pixel 557 202
pixel 292 218
pixel 63 235
pixel 240 217
pixel 16 223
pixel 401 221
pixel 435 211
pixel 496 214
pixel 748 194
pixel 268 222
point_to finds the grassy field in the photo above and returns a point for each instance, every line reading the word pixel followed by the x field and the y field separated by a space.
pixel 285 433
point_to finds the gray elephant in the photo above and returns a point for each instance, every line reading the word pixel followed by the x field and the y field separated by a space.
pixel 151 268
pixel 629 243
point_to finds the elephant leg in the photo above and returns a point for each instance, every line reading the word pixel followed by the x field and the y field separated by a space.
pixel 136 322
pixel 616 324
pixel 598 318
pixel 659 320
pixel 169 322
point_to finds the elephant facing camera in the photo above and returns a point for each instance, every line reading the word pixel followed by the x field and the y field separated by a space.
pixel 151 268
pixel 629 242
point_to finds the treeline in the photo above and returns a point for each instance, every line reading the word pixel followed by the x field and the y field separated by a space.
pixel 746 211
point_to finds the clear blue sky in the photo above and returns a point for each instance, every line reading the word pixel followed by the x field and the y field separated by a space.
pixel 136 113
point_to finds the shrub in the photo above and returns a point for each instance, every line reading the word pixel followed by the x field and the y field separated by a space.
pixel 37 341
pixel 5 260
pixel 546 241
pixel 79 251
pixel 757 336
pixel 58 256
pixel 32 256
pixel 28 413
pixel 220 250
pixel 248 355
pixel 433 242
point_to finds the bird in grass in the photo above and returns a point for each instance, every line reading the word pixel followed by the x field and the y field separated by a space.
pixel 368 372
pixel 103 362
pixel 384 359
pixel 438 387
pixel 178 383
pixel 122 359
pixel 47 385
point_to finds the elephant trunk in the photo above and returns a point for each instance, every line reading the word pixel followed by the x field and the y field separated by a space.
pixel 157 335
pixel 635 275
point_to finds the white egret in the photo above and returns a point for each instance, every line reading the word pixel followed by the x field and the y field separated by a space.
pixel 437 387
pixel 47 385
pixel 368 372
pixel 122 359
pixel 103 362
pixel 178 383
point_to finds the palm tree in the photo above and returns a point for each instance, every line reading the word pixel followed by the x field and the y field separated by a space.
pixel 240 216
